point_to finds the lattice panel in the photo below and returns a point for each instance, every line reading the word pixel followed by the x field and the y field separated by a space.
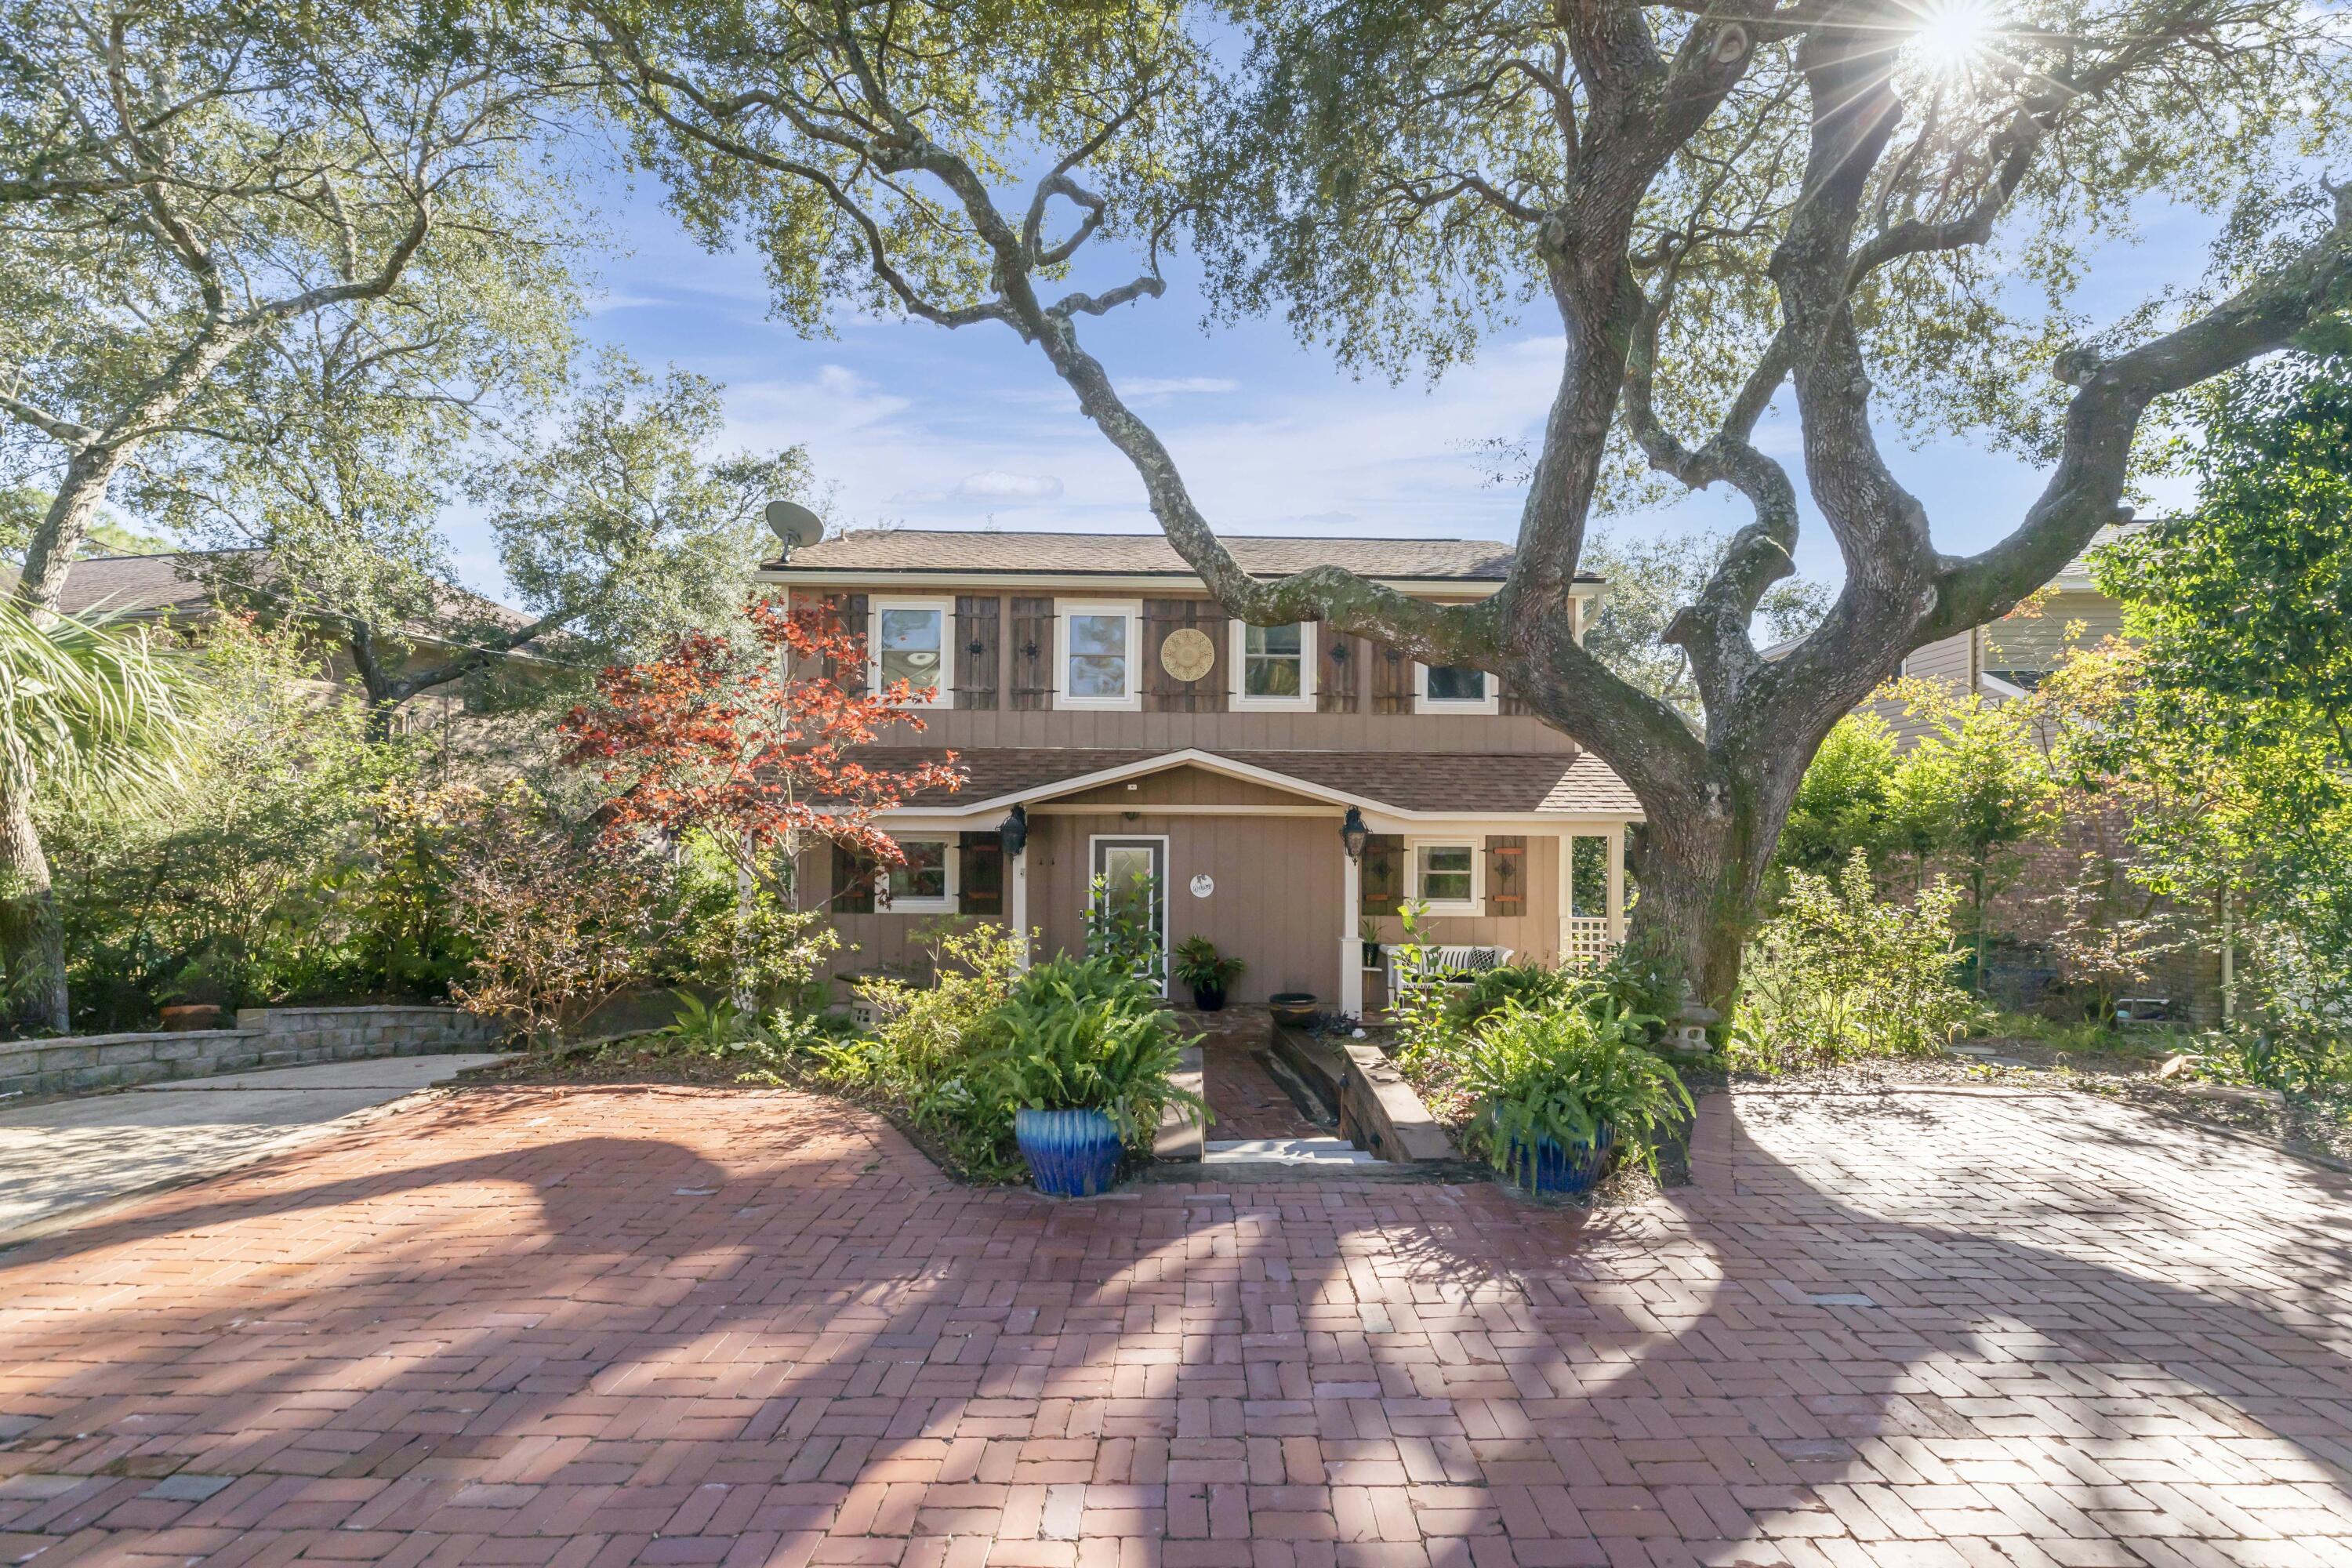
pixel 1585 936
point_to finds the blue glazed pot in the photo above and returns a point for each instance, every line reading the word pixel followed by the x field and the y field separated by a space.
pixel 1071 1153
pixel 1569 1170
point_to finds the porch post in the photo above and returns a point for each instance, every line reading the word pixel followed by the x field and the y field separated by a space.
pixel 1018 873
pixel 1617 885
pixel 1351 946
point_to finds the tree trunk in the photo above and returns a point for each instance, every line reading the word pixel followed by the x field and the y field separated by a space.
pixel 1698 883
pixel 31 933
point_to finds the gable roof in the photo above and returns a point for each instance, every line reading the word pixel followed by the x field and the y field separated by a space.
pixel 1410 783
pixel 963 552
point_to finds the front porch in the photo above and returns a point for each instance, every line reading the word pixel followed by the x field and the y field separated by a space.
pixel 1298 864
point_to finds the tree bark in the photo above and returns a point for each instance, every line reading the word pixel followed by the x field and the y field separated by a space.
pixel 31 932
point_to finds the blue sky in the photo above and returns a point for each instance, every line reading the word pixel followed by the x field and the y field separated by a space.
pixel 910 424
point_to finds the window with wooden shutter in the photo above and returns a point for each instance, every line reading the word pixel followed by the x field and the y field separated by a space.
pixel 1030 648
pixel 984 874
pixel 1163 692
pixel 1507 875
pixel 853 882
pixel 1339 678
pixel 1392 680
pixel 976 657
pixel 1382 890
pixel 848 611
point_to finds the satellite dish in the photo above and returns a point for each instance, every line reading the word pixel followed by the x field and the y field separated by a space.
pixel 794 524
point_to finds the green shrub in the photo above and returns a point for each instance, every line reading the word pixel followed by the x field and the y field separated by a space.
pixel 1839 973
pixel 960 1057
pixel 1200 965
pixel 1478 995
pixel 1083 1034
pixel 2267 1058
pixel 1565 1073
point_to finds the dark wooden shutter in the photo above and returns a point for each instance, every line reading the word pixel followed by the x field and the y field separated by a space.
pixel 976 651
pixel 1507 875
pixel 1382 887
pixel 1339 679
pixel 1031 685
pixel 1162 692
pixel 849 611
pixel 980 883
pixel 1392 680
pixel 853 882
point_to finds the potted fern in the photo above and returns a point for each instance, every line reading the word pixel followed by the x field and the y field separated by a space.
pixel 1087 1059
pixel 1561 1089
pixel 1200 965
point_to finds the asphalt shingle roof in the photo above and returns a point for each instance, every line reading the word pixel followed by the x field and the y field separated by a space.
pixel 1413 781
pixel 1128 554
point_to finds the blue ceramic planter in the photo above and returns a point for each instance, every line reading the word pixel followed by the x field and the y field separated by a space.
pixel 1568 1170
pixel 1071 1153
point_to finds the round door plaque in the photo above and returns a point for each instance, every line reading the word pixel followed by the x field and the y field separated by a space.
pixel 1188 654
pixel 1204 885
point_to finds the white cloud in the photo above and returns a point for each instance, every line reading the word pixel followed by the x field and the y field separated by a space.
pixel 1153 387
pixel 996 484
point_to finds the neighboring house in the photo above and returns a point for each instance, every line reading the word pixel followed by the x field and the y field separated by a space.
pixel 190 587
pixel 1115 722
pixel 2008 658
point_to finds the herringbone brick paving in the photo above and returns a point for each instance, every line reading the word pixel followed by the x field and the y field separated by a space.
pixel 590 1327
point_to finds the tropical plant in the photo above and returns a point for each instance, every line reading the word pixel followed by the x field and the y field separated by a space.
pixel 1086 1035
pixel 1568 1075
pixel 1121 924
pixel 1838 972
pixel 88 707
pixel 1476 996
pixel 1199 964
pixel 712 1028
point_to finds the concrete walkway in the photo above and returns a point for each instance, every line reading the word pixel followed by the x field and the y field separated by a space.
pixel 69 1155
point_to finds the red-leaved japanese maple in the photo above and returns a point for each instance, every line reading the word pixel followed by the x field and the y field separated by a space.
pixel 764 747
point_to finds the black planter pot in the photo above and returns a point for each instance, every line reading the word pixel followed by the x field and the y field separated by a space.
pixel 1295 1009
pixel 1209 998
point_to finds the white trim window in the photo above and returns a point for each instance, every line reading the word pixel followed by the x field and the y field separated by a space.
pixel 1454 689
pixel 924 883
pixel 1274 667
pixel 1099 646
pixel 913 640
pixel 1448 874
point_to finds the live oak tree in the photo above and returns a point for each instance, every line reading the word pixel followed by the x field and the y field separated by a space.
pixel 619 521
pixel 181 179
pixel 1846 205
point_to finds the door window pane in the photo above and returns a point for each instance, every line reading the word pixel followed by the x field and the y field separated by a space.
pixel 1097 656
pixel 1272 660
pixel 1445 873
pixel 1456 683
pixel 910 641
pixel 924 875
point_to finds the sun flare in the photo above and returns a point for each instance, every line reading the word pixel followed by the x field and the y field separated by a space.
pixel 1953 35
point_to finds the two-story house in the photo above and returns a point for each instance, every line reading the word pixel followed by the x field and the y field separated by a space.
pixel 1283 790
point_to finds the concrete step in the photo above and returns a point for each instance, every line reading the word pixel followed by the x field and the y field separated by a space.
pixel 1290 1151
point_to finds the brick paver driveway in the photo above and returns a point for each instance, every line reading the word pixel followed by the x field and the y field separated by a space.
pixel 541 1326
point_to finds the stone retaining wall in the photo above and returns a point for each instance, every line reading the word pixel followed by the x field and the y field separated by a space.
pixel 264 1038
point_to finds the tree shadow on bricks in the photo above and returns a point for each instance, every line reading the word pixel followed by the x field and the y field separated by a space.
pixel 765 1320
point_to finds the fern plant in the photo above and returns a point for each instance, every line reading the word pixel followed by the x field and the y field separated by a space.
pixel 1570 1075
